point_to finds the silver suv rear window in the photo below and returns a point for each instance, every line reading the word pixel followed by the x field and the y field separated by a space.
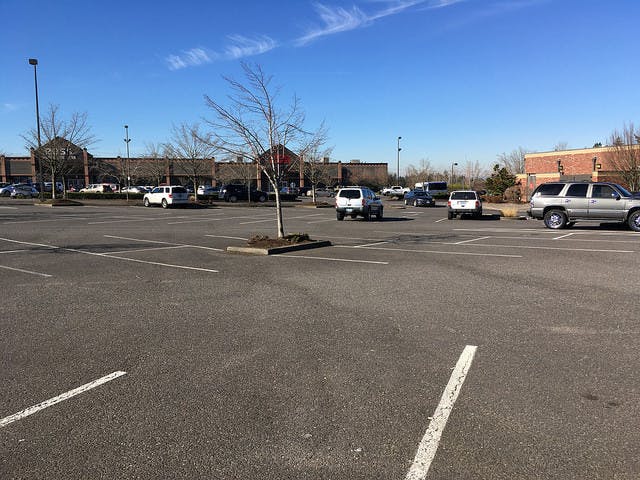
pixel 549 189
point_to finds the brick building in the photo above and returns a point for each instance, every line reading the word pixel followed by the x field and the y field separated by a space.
pixel 589 164
pixel 83 169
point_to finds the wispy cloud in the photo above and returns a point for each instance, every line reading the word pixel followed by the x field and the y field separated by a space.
pixel 8 107
pixel 239 47
pixel 338 19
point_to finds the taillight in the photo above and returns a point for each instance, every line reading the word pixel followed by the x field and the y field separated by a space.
pixel 477 203
pixel 170 195
pixel 363 202
pixel 448 203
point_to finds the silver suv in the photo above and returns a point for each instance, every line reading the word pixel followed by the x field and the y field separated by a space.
pixel 562 204
pixel 358 201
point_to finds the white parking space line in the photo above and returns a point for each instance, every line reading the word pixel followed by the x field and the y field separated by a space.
pixel 286 218
pixel 9 208
pixel 533 247
pixel 13 251
pixel 165 243
pixel 471 240
pixel 36 221
pixel 329 259
pixel 322 221
pixel 135 250
pixel 170 265
pixel 441 220
pixel 563 236
pixel 438 252
pixel 270 217
pixel 429 445
pixel 224 236
pixel 65 396
pixel 26 271
pixel 372 244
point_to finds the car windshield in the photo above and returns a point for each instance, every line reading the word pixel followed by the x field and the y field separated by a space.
pixel 624 191
pixel 350 193
pixel 463 196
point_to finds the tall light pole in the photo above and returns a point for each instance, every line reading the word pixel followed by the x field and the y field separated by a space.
pixel 128 170
pixel 34 62
pixel 455 164
pixel 398 166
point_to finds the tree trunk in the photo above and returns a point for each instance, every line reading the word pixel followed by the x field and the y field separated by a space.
pixel 279 215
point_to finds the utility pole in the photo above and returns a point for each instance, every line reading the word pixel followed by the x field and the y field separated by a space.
pixel 127 167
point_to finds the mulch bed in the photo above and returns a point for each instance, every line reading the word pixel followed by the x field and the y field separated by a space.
pixel 263 241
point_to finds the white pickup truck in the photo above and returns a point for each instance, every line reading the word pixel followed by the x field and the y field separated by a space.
pixel 395 191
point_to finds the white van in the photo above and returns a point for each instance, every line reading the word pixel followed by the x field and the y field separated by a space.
pixel 434 188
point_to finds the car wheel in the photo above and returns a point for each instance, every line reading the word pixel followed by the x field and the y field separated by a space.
pixel 450 215
pixel 262 199
pixel 354 216
pixel 164 203
pixel 634 221
pixel 367 215
pixel 340 216
pixel 233 198
pixel 146 202
pixel 379 214
pixel 555 219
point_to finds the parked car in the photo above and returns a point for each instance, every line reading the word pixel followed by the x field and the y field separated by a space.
pixel 97 188
pixel 134 189
pixel 234 192
pixel 208 190
pixel 5 190
pixel 463 202
pixel 562 204
pixel 395 191
pixel 419 198
pixel 166 196
pixel 321 192
pixel 22 190
pixel 358 201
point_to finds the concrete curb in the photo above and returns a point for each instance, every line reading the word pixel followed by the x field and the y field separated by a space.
pixel 277 250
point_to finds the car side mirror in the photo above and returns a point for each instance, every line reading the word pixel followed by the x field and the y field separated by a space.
pixel 616 195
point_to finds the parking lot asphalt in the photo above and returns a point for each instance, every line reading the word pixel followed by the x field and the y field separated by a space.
pixel 323 364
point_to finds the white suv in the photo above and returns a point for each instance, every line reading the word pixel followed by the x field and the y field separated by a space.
pixel 166 196
pixel 358 201
pixel 464 201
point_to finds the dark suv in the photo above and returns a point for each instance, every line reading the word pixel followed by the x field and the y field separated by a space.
pixel 234 192
pixel 562 204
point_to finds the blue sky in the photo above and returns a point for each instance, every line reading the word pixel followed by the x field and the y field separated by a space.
pixel 459 80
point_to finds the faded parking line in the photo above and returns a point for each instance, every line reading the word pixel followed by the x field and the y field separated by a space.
pixel 26 271
pixel 329 259
pixel 65 396
pixel 439 252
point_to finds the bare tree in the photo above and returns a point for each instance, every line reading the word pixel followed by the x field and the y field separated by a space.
pixel 239 170
pixel 560 147
pixel 422 173
pixel 473 173
pixel 62 142
pixel 513 161
pixel 625 157
pixel 154 164
pixel 192 151
pixel 255 125
pixel 313 161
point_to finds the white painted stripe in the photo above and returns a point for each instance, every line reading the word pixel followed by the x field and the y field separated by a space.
pixel 432 251
pixel 429 444
pixel 472 240
pixel 286 218
pixel 65 396
pixel 332 259
pixel 25 271
pixel 322 221
pixel 13 251
pixel 371 244
pixel 224 236
pixel 27 243
pixel 563 236
pixel 135 250
pixel 165 243
pixel 170 265
pixel 441 220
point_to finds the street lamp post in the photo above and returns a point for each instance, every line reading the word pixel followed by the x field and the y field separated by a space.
pixel 34 62
pixel 398 164
pixel 127 168
pixel 454 164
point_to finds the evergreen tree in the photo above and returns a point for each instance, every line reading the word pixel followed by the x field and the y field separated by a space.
pixel 499 180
